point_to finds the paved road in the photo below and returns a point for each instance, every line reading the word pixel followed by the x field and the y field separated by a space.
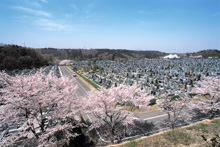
pixel 83 88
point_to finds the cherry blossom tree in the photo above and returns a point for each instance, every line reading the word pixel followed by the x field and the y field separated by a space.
pixel 175 107
pixel 208 92
pixel 114 108
pixel 63 62
pixel 39 103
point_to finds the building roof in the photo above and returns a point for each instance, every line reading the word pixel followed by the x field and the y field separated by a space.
pixel 171 56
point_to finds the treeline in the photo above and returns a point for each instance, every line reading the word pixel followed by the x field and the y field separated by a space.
pixel 209 53
pixel 100 54
pixel 18 57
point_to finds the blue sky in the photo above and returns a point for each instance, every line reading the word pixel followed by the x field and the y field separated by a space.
pixel 164 25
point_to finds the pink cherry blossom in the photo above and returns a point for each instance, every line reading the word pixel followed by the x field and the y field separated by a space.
pixel 175 108
pixel 208 92
pixel 107 107
pixel 37 102
pixel 63 62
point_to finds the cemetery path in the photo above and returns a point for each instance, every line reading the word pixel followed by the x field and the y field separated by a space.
pixel 82 88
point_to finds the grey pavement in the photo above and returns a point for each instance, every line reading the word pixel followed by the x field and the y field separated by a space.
pixel 82 88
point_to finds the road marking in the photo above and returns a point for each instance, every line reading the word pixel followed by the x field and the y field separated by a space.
pixel 158 116
pixel 155 117
pixel 61 73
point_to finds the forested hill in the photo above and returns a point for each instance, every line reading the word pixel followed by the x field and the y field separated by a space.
pixel 208 53
pixel 100 54
pixel 18 57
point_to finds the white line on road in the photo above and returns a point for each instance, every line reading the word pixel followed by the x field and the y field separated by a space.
pixel 155 117
pixel 61 73
pixel 149 118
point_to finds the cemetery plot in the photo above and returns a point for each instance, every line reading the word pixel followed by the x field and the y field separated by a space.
pixel 156 76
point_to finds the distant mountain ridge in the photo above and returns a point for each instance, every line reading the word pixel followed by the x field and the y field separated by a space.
pixel 100 54
pixel 117 54
pixel 19 57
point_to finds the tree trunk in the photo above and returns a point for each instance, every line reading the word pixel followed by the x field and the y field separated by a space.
pixel 112 134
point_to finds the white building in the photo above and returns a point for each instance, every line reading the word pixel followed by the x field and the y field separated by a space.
pixel 171 56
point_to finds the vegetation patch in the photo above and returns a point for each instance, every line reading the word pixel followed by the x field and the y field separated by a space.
pixel 153 102
pixel 175 97
pixel 204 133
pixel 192 94
pixel 90 82
pixel 200 127
pixel 216 121
pixel 132 143
pixel 178 137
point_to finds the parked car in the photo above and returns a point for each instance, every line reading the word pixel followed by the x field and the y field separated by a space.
pixel 74 74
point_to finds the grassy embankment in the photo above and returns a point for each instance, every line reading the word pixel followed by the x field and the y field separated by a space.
pixel 90 82
pixel 86 79
pixel 191 135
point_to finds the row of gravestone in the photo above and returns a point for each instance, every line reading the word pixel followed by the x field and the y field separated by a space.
pixel 156 76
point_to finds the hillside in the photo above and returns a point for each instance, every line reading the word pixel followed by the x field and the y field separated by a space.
pixel 208 53
pixel 18 57
pixel 100 54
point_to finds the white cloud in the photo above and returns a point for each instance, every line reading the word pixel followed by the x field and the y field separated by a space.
pixel 44 1
pixel 33 11
pixel 215 14
pixel 53 25
pixel 49 24
pixel 44 20
pixel 90 6
pixel 74 7
pixel 36 4
pixel 68 16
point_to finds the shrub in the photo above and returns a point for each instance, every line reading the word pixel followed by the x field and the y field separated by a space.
pixel 192 94
pixel 175 97
pixel 153 101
